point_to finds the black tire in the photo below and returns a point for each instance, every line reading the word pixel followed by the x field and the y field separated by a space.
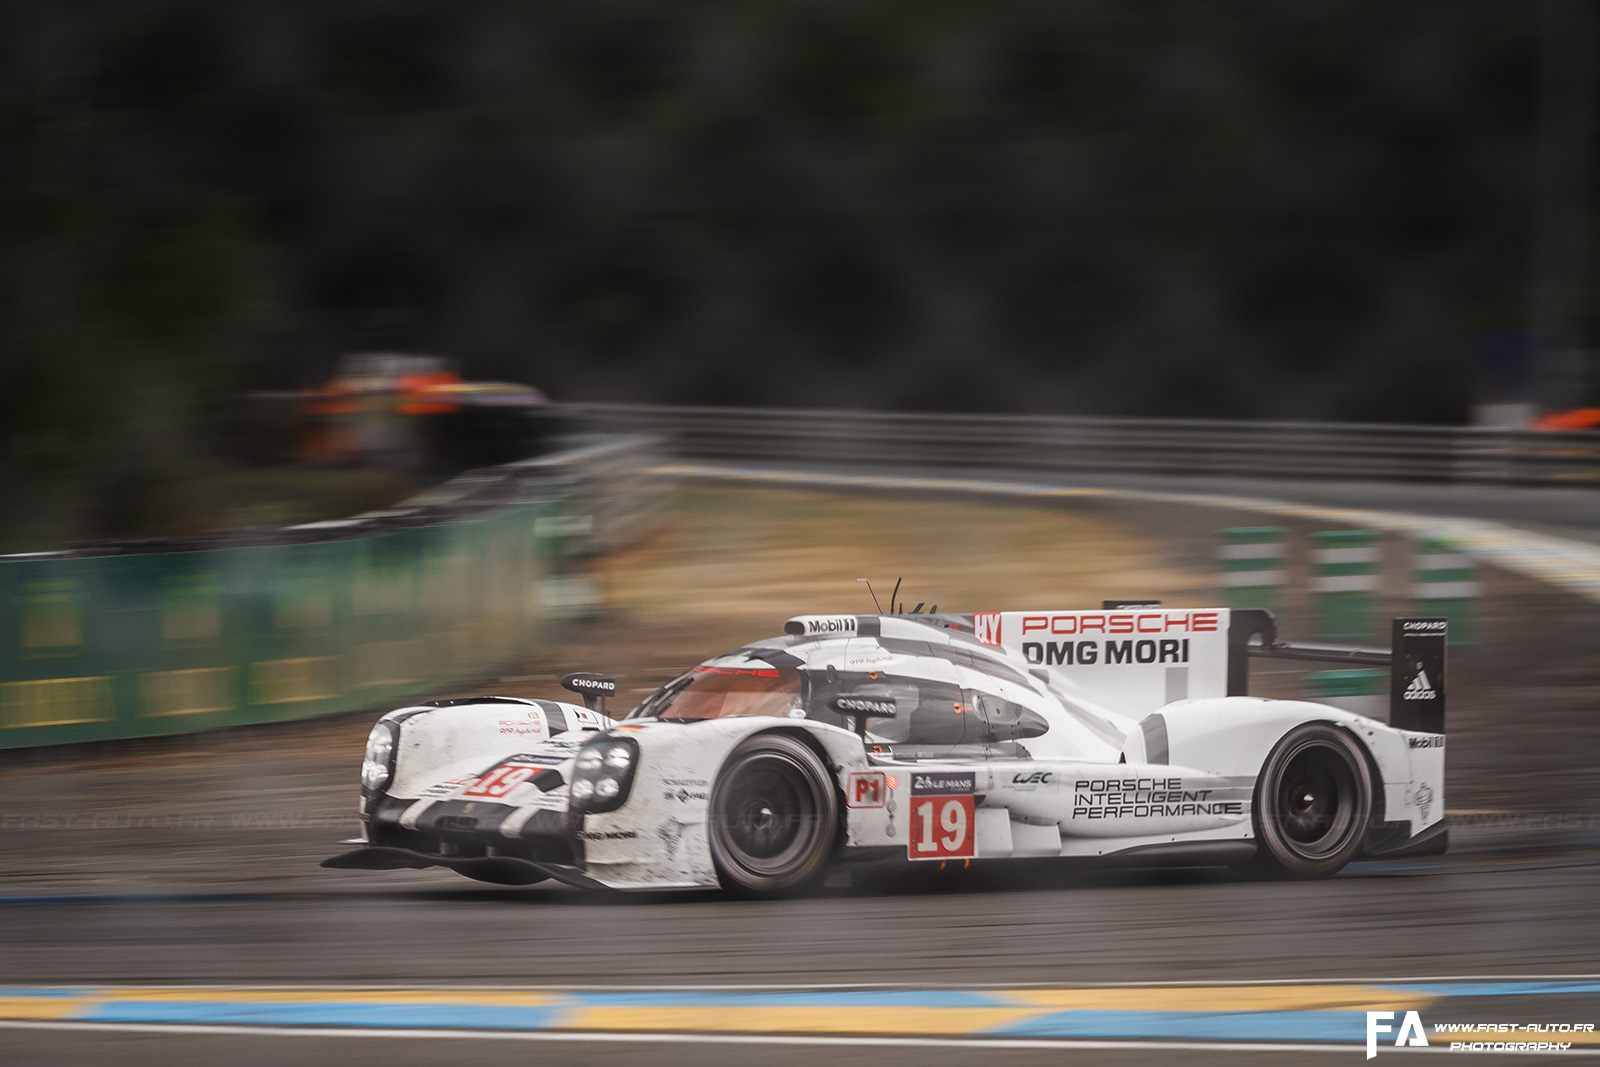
pixel 774 817
pixel 1313 802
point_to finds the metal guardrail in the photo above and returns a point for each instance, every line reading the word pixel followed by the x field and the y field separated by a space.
pixel 1083 443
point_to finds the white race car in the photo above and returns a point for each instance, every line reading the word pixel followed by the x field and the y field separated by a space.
pixel 1112 733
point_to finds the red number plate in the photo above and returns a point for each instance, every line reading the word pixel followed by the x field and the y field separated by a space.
pixel 942 827
pixel 500 781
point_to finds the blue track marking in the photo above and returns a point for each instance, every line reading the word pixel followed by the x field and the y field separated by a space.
pixel 1337 1026
pixel 865 998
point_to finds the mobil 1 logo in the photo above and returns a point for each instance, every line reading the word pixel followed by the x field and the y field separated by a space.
pixel 943 811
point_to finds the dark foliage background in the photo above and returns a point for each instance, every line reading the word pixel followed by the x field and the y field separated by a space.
pixel 1172 207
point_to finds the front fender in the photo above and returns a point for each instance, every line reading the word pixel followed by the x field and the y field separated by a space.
pixel 438 744
pixel 658 838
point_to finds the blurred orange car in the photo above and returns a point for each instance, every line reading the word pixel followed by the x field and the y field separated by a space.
pixel 392 409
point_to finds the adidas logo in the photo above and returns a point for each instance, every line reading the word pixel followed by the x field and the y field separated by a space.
pixel 1419 689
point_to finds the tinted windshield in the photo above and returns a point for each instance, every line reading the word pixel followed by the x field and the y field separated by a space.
pixel 723 692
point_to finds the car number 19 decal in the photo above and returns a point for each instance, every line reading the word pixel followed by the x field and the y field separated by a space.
pixel 942 816
pixel 500 781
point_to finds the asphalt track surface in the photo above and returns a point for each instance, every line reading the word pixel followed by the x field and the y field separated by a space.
pixel 103 888
pixel 1497 912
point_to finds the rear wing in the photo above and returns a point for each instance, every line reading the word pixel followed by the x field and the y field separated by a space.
pixel 1415 659
pixel 1135 657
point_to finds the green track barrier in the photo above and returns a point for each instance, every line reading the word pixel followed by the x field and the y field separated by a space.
pixel 1362 690
pixel 1250 566
pixel 98 648
pixel 1446 583
pixel 1344 583
pixel 1347 683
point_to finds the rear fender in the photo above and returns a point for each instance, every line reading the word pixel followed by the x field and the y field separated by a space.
pixel 1232 736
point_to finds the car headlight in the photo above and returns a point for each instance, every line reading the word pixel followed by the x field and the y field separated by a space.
pixel 603 774
pixel 378 764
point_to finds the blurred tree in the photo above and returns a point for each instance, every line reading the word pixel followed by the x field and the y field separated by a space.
pixel 1178 207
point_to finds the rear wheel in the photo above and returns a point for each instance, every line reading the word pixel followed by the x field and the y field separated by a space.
pixel 1312 803
pixel 774 817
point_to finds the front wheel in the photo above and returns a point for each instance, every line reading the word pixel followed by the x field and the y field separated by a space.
pixel 774 817
pixel 1312 803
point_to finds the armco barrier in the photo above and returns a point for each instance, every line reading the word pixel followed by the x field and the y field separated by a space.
pixel 1102 445
pixel 328 617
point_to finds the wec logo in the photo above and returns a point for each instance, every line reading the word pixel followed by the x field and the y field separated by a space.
pixel 1378 1023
